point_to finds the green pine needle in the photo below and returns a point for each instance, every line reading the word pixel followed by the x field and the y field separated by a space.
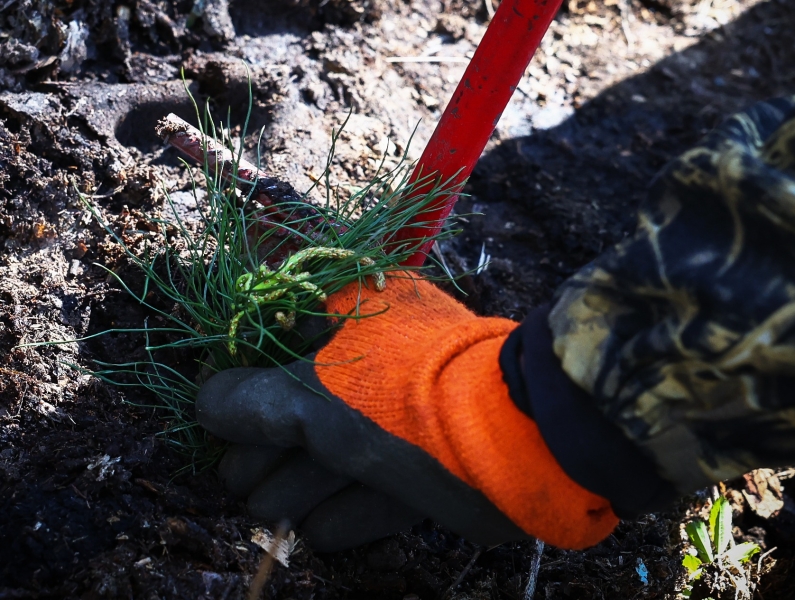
pixel 196 272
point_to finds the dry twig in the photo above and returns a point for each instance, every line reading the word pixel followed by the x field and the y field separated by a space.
pixel 532 576
pixel 266 565
pixel 427 59
pixel 462 574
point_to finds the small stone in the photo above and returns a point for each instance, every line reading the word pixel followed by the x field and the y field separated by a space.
pixel 75 268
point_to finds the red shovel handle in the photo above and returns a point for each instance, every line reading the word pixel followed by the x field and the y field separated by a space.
pixel 482 94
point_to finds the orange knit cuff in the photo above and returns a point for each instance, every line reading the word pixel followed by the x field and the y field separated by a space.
pixel 427 371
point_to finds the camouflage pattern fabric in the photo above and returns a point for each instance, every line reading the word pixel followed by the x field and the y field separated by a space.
pixel 684 333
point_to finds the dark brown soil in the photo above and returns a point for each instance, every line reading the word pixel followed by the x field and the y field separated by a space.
pixel 90 506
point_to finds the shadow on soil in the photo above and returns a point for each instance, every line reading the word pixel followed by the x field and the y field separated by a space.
pixel 556 199
pixel 550 203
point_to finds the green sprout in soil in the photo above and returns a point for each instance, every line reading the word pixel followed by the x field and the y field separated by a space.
pixel 713 545
pixel 239 288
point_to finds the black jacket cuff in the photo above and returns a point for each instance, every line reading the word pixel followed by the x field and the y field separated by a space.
pixel 592 450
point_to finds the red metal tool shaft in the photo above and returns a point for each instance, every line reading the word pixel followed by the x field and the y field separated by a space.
pixel 469 119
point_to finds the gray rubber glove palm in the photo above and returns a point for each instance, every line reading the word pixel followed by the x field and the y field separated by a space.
pixel 301 456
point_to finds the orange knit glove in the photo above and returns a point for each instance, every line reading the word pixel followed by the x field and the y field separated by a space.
pixel 418 413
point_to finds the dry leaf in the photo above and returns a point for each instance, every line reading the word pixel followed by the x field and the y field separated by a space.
pixel 763 492
pixel 280 549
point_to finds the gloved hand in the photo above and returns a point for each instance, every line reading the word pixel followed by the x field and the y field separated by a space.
pixel 403 415
pixel 665 365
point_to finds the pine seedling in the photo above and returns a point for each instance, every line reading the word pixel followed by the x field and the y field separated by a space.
pixel 234 290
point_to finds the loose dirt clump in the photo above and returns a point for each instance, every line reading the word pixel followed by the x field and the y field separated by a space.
pixel 94 503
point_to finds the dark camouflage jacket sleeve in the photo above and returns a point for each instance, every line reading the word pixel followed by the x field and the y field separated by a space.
pixel 684 334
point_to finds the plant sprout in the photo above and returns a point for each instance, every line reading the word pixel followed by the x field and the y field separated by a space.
pixel 713 542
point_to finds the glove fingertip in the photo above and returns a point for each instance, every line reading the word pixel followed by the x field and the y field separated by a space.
pixel 357 515
pixel 243 467
pixel 212 402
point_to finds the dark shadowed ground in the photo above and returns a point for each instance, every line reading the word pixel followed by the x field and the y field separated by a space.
pixel 90 506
